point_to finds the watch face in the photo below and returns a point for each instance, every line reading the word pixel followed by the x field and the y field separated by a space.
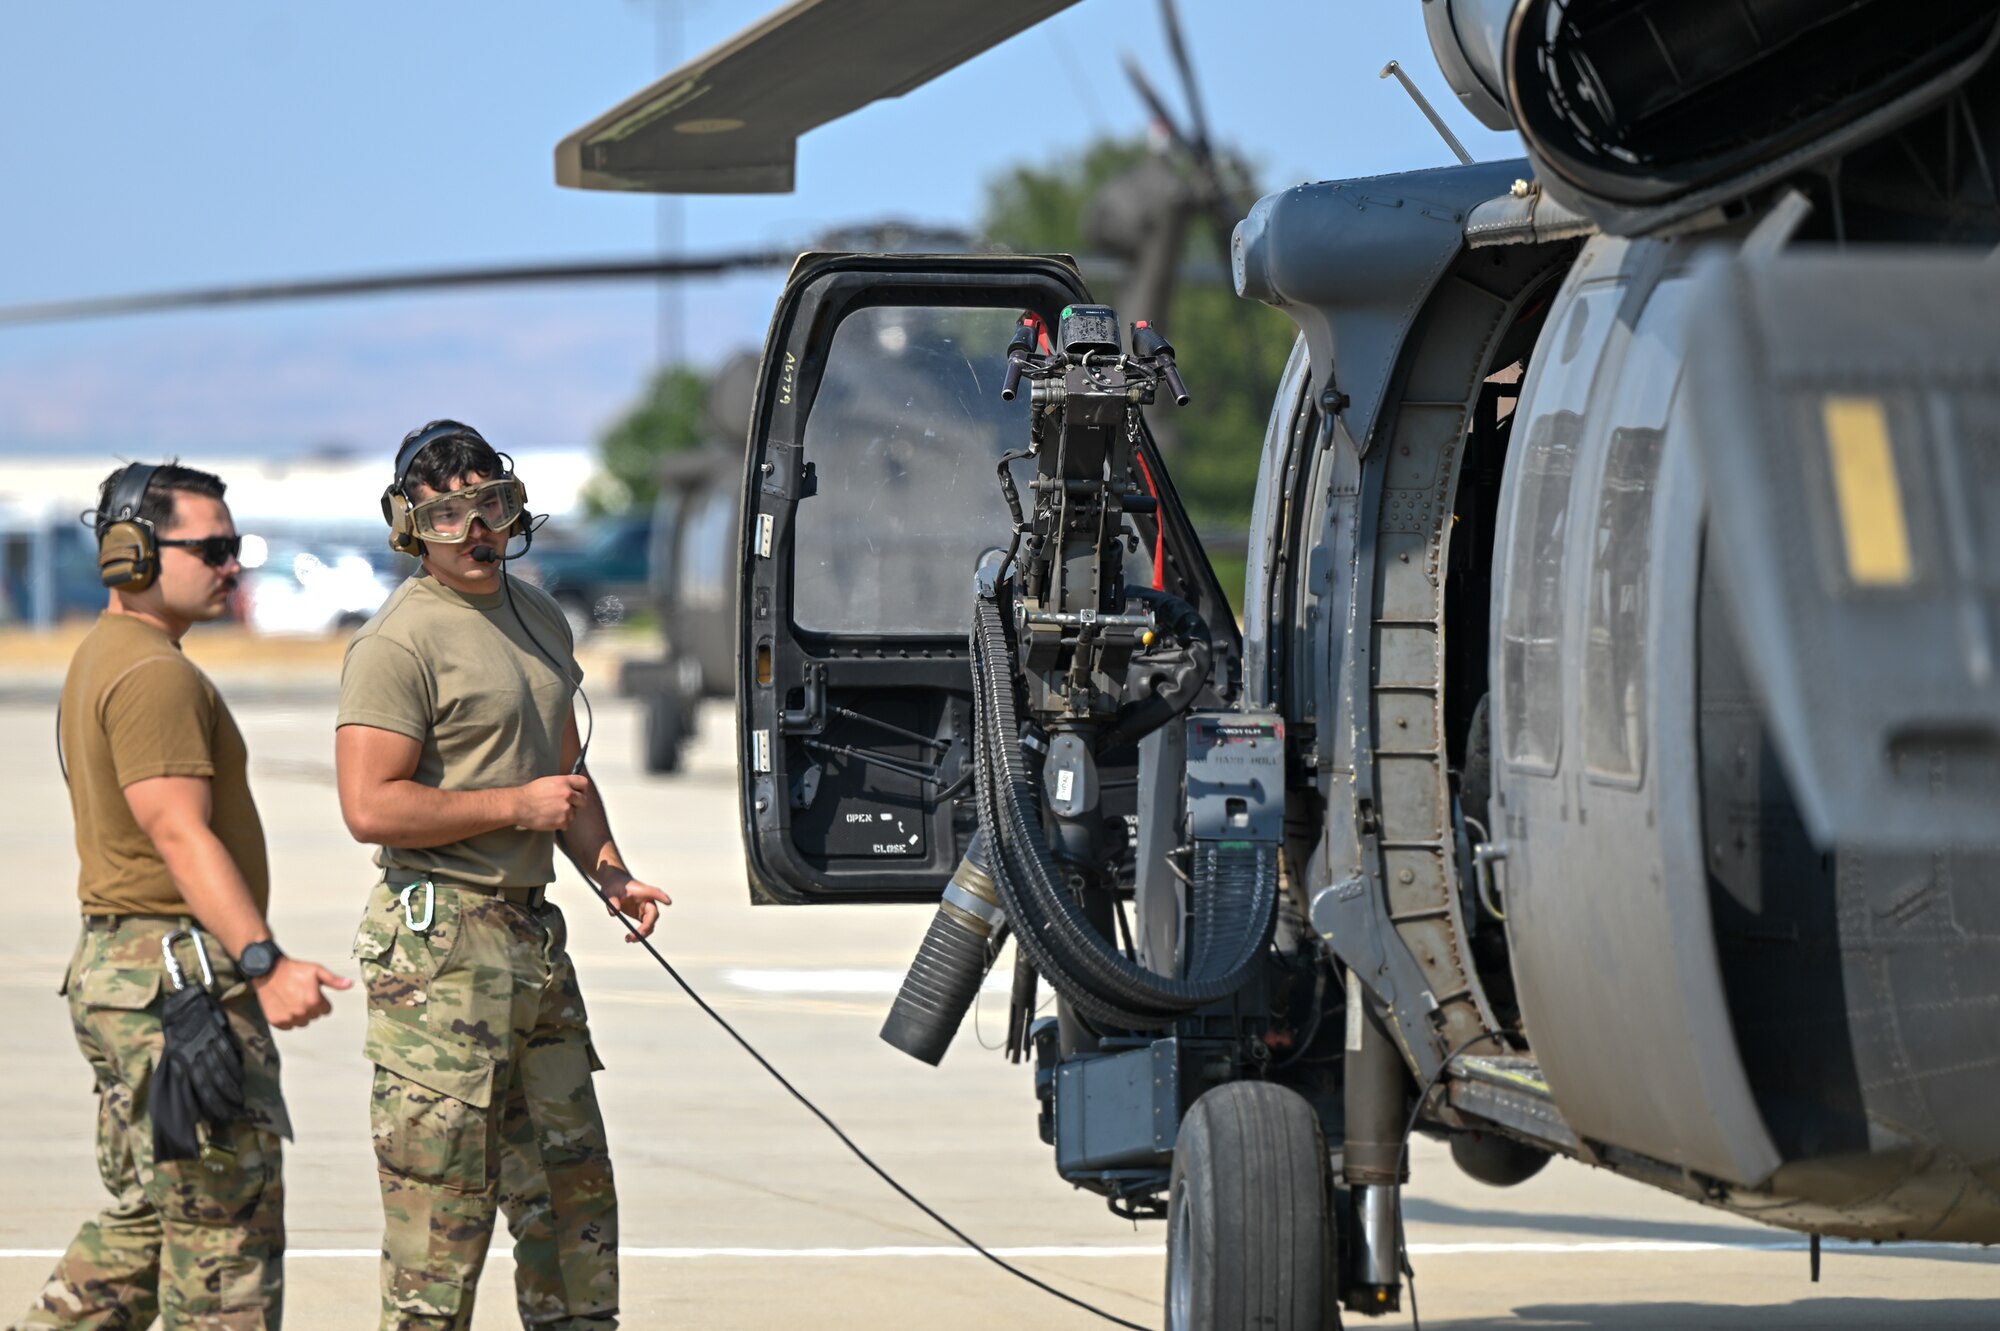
pixel 258 959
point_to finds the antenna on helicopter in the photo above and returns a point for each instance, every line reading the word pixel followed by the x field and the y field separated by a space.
pixel 1437 122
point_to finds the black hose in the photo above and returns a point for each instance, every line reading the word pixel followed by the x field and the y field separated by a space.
pixel 958 950
pixel 1236 899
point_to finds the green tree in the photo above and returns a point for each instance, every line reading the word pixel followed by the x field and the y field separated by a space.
pixel 1231 351
pixel 669 418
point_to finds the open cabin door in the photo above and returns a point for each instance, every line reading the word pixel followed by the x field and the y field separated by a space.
pixel 870 495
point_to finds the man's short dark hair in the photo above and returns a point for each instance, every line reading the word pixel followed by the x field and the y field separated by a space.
pixel 461 453
pixel 168 479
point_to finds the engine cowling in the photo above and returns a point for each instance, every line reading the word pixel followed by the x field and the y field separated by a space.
pixel 1639 113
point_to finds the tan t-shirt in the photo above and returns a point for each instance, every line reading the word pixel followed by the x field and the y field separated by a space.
pixel 133 708
pixel 462 676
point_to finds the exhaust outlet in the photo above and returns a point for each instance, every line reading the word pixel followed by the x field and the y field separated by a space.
pixel 957 951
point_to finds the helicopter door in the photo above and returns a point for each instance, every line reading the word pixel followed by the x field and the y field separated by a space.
pixel 870 495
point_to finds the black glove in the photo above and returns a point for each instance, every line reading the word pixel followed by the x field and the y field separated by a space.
pixel 200 1076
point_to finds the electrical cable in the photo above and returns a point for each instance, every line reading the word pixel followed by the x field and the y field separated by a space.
pixel 847 1141
pixel 575 684
pixel 1430 1084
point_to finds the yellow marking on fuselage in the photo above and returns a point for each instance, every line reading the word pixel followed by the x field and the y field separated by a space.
pixel 1872 520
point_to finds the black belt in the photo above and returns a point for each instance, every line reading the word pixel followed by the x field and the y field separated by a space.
pixel 113 921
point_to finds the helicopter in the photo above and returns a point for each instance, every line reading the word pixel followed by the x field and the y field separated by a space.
pixel 1607 760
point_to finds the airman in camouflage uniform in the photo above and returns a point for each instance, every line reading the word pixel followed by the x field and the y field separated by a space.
pixel 459 756
pixel 168 839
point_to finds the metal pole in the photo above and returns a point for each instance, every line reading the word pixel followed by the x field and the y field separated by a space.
pixel 1450 139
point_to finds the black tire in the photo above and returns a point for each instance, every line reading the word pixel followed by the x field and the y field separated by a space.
pixel 1250 1238
pixel 666 729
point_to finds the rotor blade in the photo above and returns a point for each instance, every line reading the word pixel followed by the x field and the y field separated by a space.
pixel 611 270
pixel 1155 107
pixel 729 122
pixel 1178 46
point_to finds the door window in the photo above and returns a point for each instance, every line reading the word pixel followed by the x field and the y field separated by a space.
pixel 1531 627
pixel 903 437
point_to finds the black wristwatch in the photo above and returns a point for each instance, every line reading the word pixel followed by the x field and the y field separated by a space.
pixel 259 959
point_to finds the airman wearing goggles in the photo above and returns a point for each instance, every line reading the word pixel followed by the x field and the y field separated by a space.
pixel 458 755
pixel 447 519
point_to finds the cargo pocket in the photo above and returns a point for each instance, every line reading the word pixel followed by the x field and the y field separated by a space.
pixel 429 1113
pixel 117 989
pixel 398 962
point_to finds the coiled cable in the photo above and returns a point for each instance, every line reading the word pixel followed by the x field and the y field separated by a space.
pixel 1101 982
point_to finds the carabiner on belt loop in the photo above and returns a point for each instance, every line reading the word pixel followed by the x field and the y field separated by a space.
pixel 174 972
pixel 430 905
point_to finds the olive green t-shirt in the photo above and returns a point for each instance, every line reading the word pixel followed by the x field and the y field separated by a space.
pixel 463 676
pixel 133 708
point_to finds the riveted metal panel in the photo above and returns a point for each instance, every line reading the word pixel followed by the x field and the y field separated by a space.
pixel 1407 657
pixel 1407 723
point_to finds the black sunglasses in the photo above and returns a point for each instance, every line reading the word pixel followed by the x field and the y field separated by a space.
pixel 215 550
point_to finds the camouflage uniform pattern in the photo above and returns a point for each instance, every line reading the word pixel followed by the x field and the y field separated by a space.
pixel 483 1102
pixel 198 1243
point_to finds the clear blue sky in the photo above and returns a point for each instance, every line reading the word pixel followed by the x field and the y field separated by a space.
pixel 211 141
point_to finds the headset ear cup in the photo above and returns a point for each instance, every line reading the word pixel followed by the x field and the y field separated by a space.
pixel 402 530
pixel 127 558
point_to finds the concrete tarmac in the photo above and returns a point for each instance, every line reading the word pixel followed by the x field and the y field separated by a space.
pixel 739 1210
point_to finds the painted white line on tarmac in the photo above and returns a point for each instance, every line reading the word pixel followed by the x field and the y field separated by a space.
pixel 836 981
pixel 1101 1251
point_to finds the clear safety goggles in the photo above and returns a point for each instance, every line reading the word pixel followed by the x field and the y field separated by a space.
pixel 447 519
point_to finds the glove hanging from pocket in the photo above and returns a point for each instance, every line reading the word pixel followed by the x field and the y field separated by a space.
pixel 200 1075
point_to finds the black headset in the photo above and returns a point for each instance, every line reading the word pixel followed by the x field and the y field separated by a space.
pixel 128 546
pixel 396 504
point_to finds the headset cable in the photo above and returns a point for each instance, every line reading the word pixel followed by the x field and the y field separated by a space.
pixel 845 1140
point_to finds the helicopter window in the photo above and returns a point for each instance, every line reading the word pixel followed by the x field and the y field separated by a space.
pixel 1614 649
pixel 1614 652
pixel 1531 625
pixel 903 435
pixel 1532 644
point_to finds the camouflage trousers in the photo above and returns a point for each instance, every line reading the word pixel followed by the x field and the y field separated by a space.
pixel 198 1243
pixel 483 1102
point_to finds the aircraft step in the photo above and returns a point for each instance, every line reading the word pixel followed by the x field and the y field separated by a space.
pixel 1511 1093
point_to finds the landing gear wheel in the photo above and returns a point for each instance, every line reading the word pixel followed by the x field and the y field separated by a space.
pixel 1250 1237
pixel 666 731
